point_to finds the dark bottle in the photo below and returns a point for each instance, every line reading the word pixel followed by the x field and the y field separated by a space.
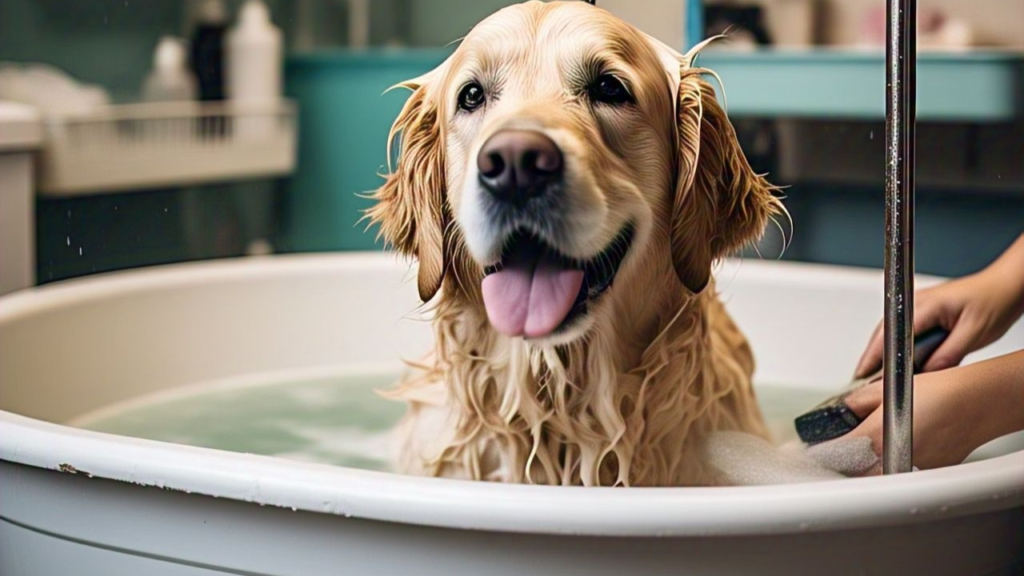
pixel 207 58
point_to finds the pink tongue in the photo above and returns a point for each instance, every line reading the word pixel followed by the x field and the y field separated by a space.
pixel 530 298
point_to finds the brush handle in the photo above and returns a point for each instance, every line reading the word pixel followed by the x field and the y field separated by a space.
pixel 925 344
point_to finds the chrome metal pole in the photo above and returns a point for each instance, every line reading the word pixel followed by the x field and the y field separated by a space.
pixel 900 120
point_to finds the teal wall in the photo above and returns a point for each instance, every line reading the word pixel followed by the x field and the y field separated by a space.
pixel 956 232
pixel 344 122
pixel 107 42
pixel 111 42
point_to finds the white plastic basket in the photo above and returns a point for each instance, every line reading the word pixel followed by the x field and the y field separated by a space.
pixel 138 146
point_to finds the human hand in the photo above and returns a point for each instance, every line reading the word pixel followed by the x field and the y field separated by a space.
pixel 976 310
pixel 955 411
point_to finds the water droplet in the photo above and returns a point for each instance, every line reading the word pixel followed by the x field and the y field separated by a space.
pixel 79 250
pixel 69 240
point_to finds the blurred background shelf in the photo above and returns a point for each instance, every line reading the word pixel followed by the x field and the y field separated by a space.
pixel 808 105
pixel 142 146
pixel 850 84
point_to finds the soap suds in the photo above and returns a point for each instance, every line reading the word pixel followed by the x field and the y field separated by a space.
pixel 848 456
pixel 747 460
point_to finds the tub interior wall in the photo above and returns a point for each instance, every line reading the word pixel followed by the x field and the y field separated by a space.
pixel 191 323
pixel 106 339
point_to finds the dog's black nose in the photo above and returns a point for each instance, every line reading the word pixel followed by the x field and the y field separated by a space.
pixel 516 165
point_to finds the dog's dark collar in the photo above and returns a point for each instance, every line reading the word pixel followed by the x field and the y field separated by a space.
pixel 591 2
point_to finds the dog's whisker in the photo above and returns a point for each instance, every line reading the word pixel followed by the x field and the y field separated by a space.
pixel 757 250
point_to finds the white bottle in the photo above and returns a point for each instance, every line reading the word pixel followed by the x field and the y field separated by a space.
pixel 254 56
pixel 254 72
pixel 171 79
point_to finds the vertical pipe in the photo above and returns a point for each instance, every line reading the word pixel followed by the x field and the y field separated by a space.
pixel 900 119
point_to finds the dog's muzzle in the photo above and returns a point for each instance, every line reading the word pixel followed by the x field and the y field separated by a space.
pixel 531 287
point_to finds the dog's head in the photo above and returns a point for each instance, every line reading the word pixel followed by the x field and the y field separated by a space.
pixel 560 152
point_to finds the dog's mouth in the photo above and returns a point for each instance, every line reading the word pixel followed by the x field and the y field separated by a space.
pixel 535 291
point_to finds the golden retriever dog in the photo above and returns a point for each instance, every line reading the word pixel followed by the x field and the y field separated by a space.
pixel 566 184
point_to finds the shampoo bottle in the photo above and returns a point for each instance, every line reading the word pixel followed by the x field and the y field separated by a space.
pixel 254 72
pixel 170 79
pixel 254 56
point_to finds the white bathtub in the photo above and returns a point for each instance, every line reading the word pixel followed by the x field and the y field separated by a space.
pixel 74 501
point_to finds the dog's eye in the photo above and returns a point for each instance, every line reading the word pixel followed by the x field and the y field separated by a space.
pixel 609 90
pixel 471 97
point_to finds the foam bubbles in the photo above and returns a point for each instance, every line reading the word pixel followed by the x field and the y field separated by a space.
pixel 747 460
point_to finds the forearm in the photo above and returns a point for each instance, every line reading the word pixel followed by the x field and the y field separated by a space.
pixel 1009 270
pixel 993 395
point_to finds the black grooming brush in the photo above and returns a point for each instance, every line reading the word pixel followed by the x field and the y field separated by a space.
pixel 833 418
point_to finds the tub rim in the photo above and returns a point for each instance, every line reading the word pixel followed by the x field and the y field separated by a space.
pixel 967 489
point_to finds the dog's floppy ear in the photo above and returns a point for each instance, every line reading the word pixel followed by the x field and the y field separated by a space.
pixel 720 204
pixel 412 206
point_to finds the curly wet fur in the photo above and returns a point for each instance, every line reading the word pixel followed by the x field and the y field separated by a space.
pixel 626 403
pixel 588 413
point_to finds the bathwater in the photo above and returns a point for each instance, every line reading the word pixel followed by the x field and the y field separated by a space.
pixel 333 419
pixel 337 417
